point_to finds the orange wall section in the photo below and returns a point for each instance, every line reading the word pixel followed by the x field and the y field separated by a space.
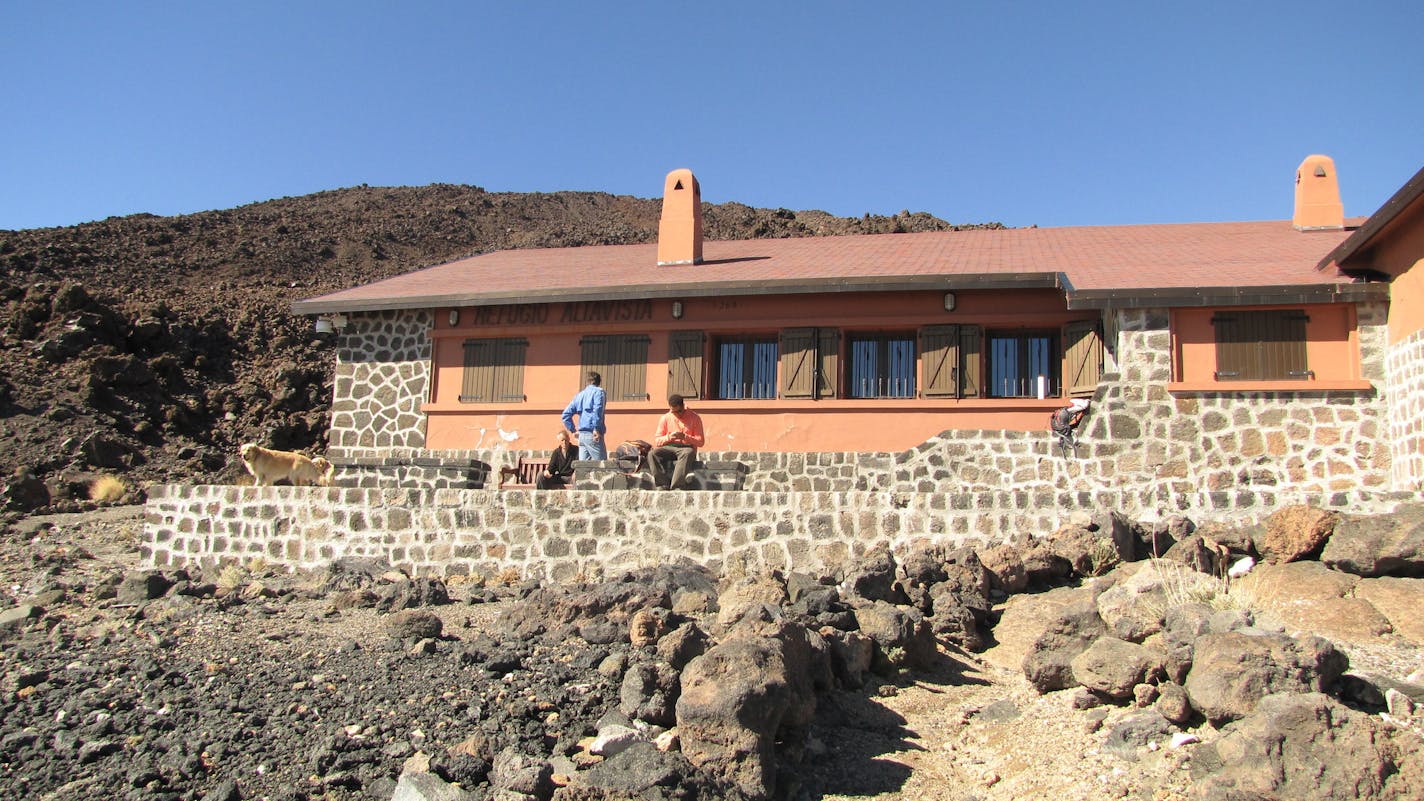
pixel 553 372
pixel 1332 351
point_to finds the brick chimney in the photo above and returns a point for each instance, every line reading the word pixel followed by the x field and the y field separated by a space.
pixel 1317 196
pixel 680 229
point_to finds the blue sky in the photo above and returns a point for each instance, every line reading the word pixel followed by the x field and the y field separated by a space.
pixel 1026 113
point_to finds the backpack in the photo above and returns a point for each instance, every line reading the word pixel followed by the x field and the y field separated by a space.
pixel 632 456
pixel 1061 421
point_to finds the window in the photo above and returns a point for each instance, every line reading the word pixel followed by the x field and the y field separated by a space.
pixel 1261 345
pixel 1023 364
pixel 746 368
pixel 622 360
pixel 881 366
pixel 494 371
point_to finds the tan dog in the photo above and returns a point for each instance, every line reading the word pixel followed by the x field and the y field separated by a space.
pixel 268 467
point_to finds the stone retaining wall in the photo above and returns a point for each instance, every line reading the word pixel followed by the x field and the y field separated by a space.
pixel 565 535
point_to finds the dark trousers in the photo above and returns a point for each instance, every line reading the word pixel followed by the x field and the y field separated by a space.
pixel 680 455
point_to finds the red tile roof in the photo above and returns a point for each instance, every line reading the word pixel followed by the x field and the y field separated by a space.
pixel 1135 259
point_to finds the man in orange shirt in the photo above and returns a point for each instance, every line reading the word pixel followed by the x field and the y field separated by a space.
pixel 678 437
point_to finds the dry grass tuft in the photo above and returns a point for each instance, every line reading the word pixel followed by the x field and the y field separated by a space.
pixel 1182 585
pixel 232 577
pixel 107 489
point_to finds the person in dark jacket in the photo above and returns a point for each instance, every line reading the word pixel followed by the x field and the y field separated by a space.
pixel 560 472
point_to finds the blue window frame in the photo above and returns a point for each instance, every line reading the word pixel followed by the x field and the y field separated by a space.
pixel 882 366
pixel 1020 361
pixel 746 368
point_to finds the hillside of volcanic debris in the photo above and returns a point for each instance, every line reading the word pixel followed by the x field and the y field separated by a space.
pixel 152 346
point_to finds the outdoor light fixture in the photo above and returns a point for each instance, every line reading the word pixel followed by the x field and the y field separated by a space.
pixel 949 301
pixel 677 310
pixel 454 317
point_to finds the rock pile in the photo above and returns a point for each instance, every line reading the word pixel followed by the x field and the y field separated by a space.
pixel 361 682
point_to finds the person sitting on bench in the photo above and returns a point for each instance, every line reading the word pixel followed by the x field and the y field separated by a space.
pixel 561 464
pixel 678 437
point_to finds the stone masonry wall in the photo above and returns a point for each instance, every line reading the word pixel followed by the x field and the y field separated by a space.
pixel 563 536
pixel 1406 411
pixel 1143 451
pixel 382 378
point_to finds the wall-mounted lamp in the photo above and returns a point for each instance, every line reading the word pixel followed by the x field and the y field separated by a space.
pixel 454 317
pixel 949 301
pixel 335 323
pixel 677 310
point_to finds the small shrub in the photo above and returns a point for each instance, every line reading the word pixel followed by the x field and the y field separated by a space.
pixel 107 489
pixel 508 576
pixel 231 577
pixel 1103 557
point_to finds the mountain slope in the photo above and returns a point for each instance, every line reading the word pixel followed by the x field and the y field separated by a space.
pixel 152 346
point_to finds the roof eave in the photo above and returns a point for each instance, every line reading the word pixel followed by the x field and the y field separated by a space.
pixel 1226 296
pixel 798 286
pixel 1363 236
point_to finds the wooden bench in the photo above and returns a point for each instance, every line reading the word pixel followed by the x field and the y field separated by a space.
pixel 524 475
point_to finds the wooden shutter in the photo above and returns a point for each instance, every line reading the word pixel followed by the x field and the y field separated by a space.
pixel 798 363
pixel 509 370
pixel 494 371
pixel 1082 358
pixel 828 344
pixel 596 359
pixel 685 363
pixel 477 385
pixel 939 361
pixel 971 365
pixel 629 368
pixel 1261 345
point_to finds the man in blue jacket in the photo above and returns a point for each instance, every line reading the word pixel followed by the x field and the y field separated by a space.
pixel 588 406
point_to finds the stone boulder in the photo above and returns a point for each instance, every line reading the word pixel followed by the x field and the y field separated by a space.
pixel 1111 667
pixel 1296 532
pixel 1308 596
pixel 1379 545
pixel 1133 608
pixel 747 695
pixel 1005 566
pixel 1399 600
pixel 413 624
pixel 737 598
pixel 1232 671
pixel 1048 663
pixel 1307 745
pixel 903 638
pixel 873 577
pixel 649 692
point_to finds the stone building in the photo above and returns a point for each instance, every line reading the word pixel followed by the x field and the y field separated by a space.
pixel 868 389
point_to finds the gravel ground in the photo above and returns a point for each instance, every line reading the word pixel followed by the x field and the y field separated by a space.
pixel 291 687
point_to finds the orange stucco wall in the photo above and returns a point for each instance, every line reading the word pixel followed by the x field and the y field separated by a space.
pixel 1332 350
pixel 1399 252
pixel 553 373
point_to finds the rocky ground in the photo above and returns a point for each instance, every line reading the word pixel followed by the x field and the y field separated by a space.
pixel 354 682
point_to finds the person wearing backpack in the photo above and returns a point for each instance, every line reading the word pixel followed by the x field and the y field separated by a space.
pixel 1064 422
pixel 678 437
